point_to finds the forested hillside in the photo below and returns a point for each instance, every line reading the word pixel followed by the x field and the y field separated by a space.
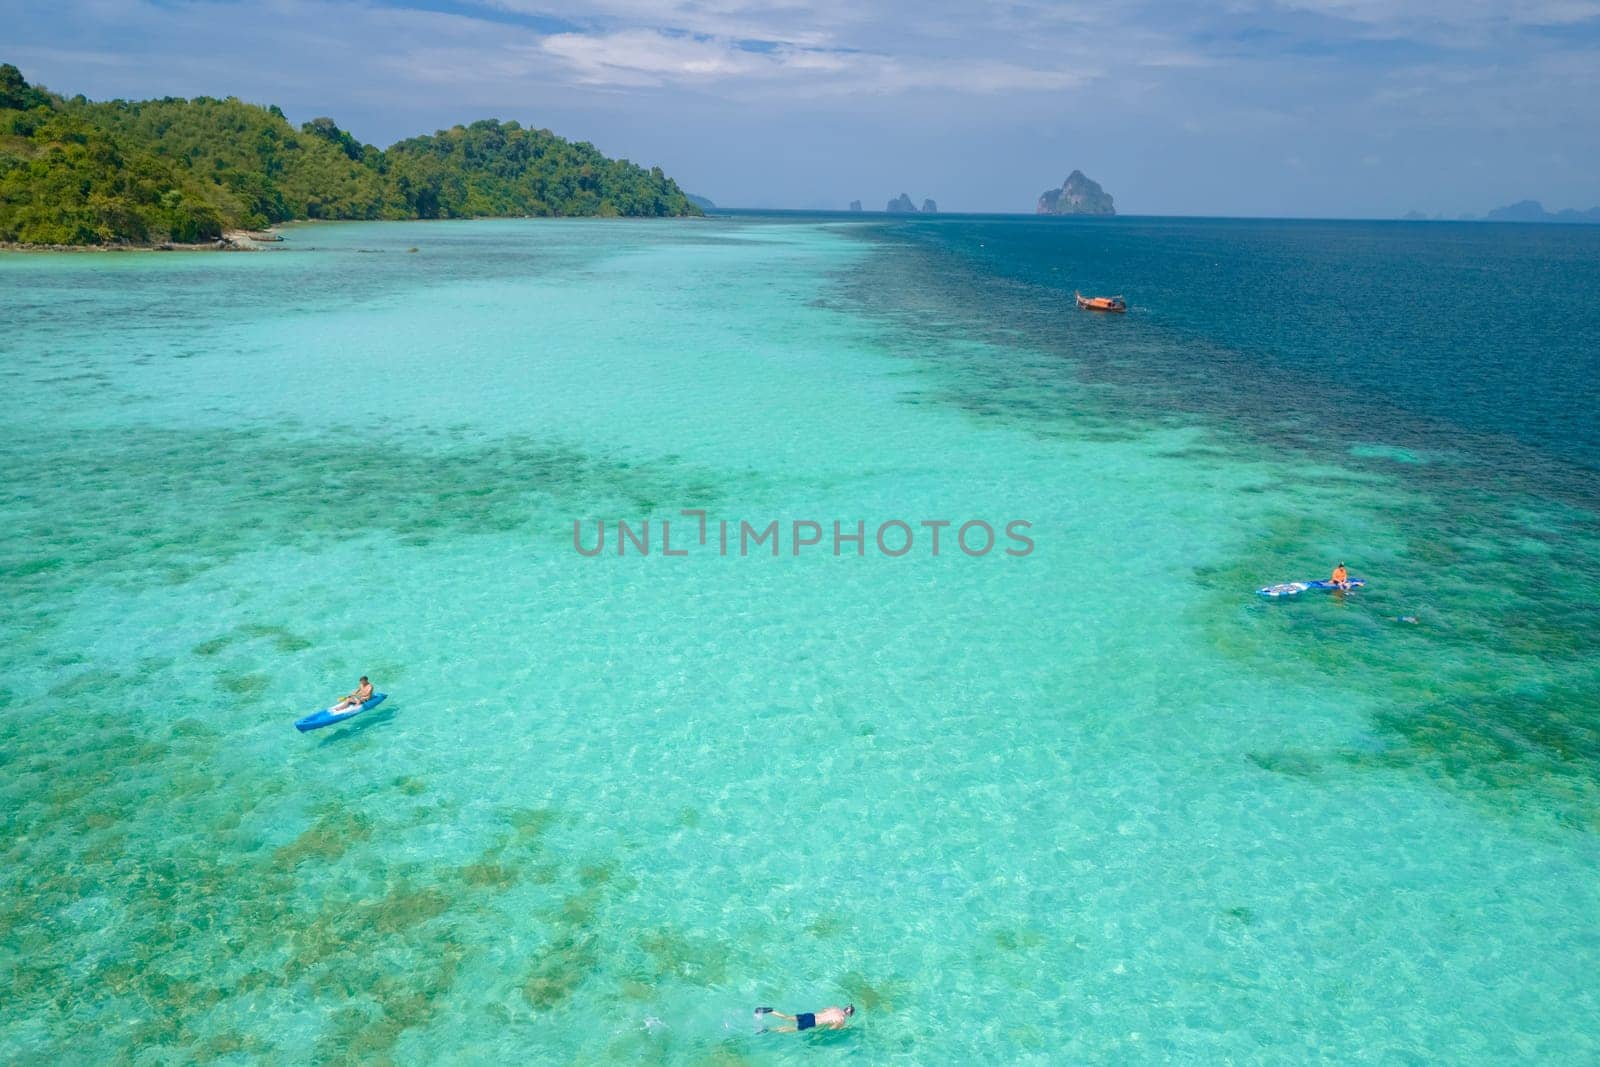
pixel 77 172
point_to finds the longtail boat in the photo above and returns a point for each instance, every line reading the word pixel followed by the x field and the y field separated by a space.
pixel 1100 303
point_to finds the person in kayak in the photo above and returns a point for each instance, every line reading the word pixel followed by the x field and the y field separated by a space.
pixel 1341 577
pixel 354 699
pixel 827 1019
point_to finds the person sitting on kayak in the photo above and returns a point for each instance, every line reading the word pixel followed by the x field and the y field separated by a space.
pixel 828 1018
pixel 1341 577
pixel 353 700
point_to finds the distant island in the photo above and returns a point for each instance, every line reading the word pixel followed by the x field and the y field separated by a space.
pixel 904 205
pixel 77 172
pixel 1521 211
pixel 1533 211
pixel 703 203
pixel 855 205
pixel 1078 195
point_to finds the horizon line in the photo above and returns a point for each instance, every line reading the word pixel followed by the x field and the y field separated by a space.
pixel 719 208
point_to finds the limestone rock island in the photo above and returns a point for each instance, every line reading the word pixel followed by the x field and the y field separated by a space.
pixel 901 205
pixel 1078 195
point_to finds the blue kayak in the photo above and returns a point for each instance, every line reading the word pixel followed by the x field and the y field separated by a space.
pixel 326 717
pixel 1293 588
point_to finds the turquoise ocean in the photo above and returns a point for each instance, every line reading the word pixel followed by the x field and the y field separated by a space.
pixel 1098 803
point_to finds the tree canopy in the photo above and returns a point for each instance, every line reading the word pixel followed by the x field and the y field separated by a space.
pixel 80 172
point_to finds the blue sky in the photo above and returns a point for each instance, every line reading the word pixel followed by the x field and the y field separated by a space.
pixel 1249 107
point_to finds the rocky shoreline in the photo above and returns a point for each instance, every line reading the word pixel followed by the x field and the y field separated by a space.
pixel 230 241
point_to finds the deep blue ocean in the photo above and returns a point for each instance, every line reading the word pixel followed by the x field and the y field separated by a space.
pixel 1455 334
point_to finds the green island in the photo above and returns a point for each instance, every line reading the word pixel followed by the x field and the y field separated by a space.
pixel 77 172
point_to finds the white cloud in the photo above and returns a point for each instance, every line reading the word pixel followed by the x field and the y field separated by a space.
pixel 1454 12
pixel 1452 23
pixel 640 58
pixel 812 25
pixel 647 57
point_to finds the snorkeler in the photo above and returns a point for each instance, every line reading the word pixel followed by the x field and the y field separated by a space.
pixel 827 1018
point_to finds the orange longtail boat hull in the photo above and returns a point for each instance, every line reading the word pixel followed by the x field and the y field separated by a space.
pixel 1100 303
